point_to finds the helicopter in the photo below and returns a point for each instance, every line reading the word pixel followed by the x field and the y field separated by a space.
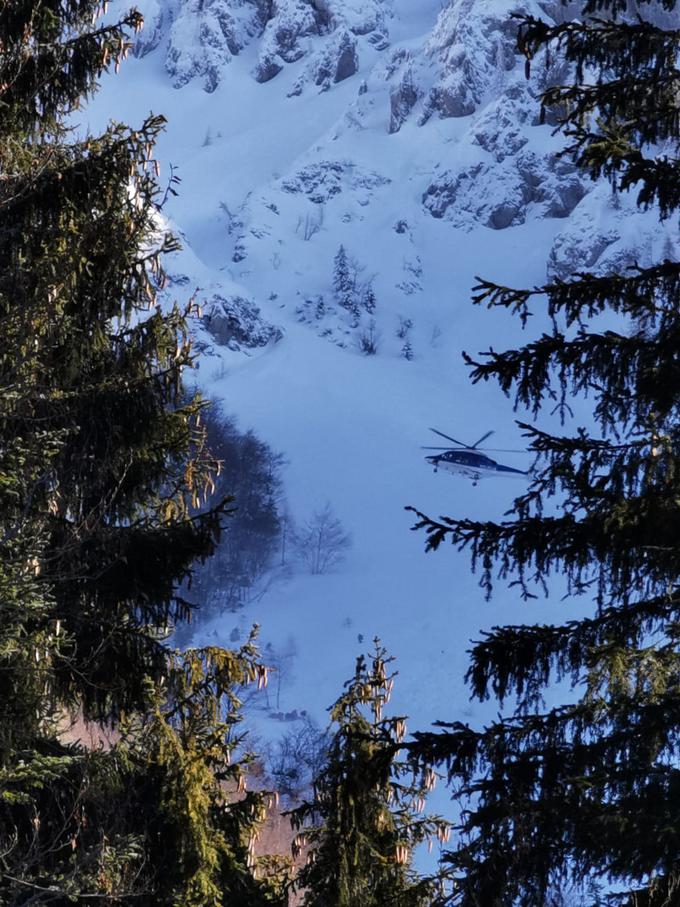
pixel 469 461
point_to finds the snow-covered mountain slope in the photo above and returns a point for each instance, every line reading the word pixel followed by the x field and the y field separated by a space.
pixel 407 133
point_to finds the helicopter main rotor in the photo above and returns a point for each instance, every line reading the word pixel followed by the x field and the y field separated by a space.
pixel 474 446
pixel 466 446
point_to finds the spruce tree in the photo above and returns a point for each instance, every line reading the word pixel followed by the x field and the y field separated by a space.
pixel 105 452
pixel 588 791
pixel 161 818
pixel 344 282
pixel 186 772
pixel 368 299
pixel 366 815
pixel 103 463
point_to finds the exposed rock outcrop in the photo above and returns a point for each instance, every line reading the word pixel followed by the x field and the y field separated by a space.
pixel 235 322
pixel 321 182
pixel 203 36
pixel 206 34
pixel 500 195
pixel 473 45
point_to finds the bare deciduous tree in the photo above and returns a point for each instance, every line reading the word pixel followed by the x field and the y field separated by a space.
pixel 322 542
pixel 296 759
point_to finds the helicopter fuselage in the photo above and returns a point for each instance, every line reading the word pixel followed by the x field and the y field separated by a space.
pixel 472 464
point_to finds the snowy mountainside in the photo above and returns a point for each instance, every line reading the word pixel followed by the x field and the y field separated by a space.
pixel 204 35
pixel 407 134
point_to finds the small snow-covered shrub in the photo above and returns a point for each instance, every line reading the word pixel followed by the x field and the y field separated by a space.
pixel 369 340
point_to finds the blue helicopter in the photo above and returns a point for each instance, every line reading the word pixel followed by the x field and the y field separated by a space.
pixel 469 461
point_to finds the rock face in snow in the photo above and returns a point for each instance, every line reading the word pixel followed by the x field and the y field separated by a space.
pixel 608 235
pixel 469 70
pixel 321 182
pixel 206 34
pixel 473 44
pixel 235 322
pixel 339 27
pixel 405 94
pixel 468 62
pixel 335 62
pixel 500 195
pixel 289 24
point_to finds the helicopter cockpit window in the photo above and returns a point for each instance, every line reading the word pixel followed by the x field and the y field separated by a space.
pixel 466 458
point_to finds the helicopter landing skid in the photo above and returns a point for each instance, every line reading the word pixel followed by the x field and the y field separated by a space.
pixel 458 470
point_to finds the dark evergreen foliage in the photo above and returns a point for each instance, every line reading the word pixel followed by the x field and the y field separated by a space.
pixel 368 300
pixel 103 465
pixel 588 791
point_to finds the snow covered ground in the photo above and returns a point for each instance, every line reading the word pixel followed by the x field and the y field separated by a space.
pixel 275 176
